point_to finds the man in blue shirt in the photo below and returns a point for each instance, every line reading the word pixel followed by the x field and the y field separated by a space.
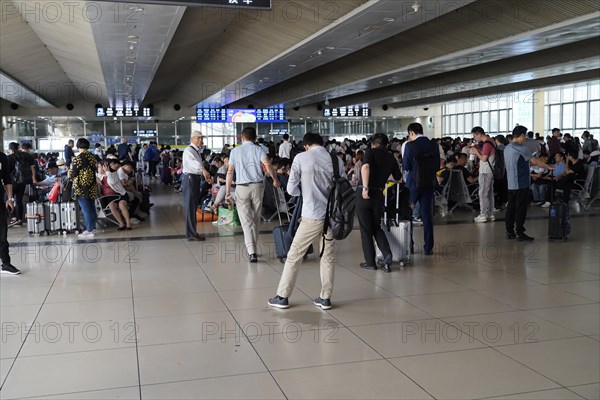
pixel 247 163
pixel 419 145
pixel 69 153
pixel 517 157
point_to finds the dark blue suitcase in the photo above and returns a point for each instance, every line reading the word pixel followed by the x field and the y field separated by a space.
pixel 283 237
pixel 558 221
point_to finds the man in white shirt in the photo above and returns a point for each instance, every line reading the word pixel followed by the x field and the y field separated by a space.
pixel 311 175
pixel 193 170
pixel 285 148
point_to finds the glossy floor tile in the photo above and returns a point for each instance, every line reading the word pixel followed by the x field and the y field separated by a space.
pixel 148 315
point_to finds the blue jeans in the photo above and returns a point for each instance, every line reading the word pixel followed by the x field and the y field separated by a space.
pixel 417 210
pixel 539 191
pixel 88 208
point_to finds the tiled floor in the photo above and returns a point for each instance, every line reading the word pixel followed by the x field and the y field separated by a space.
pixel 147 315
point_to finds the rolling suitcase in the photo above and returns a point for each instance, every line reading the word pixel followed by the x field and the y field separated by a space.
pixel 69 217
pixel 559 226
pixel 283 235
pixel 52 217
pixel 35 218
pixel 398 233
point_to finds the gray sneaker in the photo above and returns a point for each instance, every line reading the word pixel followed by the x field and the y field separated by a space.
pixel 10 269
pixel 279 302
pixel 325 304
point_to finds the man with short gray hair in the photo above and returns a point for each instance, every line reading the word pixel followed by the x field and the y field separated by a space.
pixel 193 170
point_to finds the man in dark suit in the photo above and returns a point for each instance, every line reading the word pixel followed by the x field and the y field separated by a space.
pixel 425 150
pixel 5 172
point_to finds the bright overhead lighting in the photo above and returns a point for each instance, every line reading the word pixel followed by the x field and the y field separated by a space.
pixel 388 19
pixel 293 65
pixel 330 48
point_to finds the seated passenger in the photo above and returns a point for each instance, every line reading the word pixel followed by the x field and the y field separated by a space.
pixel 539 184
pixel 112 186
pixel 444 174
pixel 461 162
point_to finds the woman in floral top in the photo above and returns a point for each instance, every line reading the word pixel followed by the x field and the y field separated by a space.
pixel 86 187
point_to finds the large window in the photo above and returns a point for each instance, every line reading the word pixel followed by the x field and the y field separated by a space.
pixel 574 109
pixel 494 115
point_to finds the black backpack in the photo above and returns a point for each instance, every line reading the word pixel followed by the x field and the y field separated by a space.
pixel 498 168
pixel 341 203
pixel 424 168
pixel 18 174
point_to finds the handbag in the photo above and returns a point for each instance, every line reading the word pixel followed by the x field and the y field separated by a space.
pixel 202 216
pixel 54 193
pixel 228 216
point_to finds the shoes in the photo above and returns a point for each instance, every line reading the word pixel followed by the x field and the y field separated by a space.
pixel 417 222
pixel 325 304
pixel 86 235
pixel 10 269
pixel 279 302
pixel 387 267
pixel 370 267
pixel 121 228
pixel 497 209
pixel 134 221
pixel 428 252
pixel 196 239
pixel 537 203
pixel 524 238
pixel 13 222
pixel 253 258
pixel 546 205
pixel 480 219
pixel 491 217
pixel 510 235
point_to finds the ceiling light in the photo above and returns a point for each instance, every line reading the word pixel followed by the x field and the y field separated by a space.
pixel 388 19
pixel 416 7
pixel 292 65
pixel 330 48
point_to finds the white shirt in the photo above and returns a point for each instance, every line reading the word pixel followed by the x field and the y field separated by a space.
pixel 115 183
pixel 192 161
pixel 247 160
pixel 285 149
pixel 311 175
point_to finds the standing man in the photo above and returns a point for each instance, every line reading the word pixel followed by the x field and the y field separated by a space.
pixel 423 154
pixel 554 144
pixel 486 152
pixel 69 154
pixel 378 165
pixel 152 156
pixel 124 150
pixel 246 162
pixel 5 172
pixel 312 177
pixel 517 157
pixel 193 170
pixel 142 164
pixel 285 148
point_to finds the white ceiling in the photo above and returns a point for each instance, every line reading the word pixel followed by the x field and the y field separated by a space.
pixel 350 52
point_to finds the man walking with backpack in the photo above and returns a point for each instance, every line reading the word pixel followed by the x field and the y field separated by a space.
pixel 485 150
pixel 421 160
pixel 312 176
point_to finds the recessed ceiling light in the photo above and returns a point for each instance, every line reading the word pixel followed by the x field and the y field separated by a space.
pixel 389 19
pixel 330 48
pixel 292 65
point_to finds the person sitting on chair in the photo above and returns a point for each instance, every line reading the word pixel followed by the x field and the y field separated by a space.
pixel 112 186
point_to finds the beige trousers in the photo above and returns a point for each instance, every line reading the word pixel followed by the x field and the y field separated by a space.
pixel 248 200
pixel 308 231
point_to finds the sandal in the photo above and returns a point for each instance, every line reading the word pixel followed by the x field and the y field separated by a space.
pixel 121 228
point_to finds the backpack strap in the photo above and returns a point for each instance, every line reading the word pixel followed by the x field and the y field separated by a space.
pixel 336 176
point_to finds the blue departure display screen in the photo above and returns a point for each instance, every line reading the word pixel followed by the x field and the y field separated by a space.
pixel 250 115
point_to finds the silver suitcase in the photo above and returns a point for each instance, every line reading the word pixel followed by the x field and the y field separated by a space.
pixel 400 239
pixel 398 233
pixel 52 215
pixel 69 217
pixel 35 218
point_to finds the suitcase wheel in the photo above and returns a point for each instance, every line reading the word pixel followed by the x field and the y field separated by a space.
pixel 402 264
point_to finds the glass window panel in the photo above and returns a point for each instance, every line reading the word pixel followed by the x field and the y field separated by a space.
pixel 494 121
pixel 476 119
pixel 581 110
pixel 453 124
pixel 468 107
pixel 485 121
pixel 567 95
pixel 595 91
pixel 554 96
pixel 469 122
pixel 451 108
pixel 581 93
pixel 567 116
pixel 446 125
pixel 502 103
pixel 503 121
pixel 461 123
pixel 554 117
pixel 594 114
pixel 476 105
pixel 547 117
pixel 485 105
pixel 459 108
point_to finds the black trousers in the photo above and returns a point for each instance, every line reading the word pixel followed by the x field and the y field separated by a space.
pixel 369 213
pixel 516 210
pixel 152 168
pixel 19 191
pixel 4 255
pixel 190 186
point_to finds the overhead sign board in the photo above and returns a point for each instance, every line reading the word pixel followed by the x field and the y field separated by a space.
pixel 353 111
pixel 260 4
pixel 250 115
pixel 125 112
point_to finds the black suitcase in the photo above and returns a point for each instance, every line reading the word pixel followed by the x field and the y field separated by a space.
pixel 283 237
pixel 558 221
